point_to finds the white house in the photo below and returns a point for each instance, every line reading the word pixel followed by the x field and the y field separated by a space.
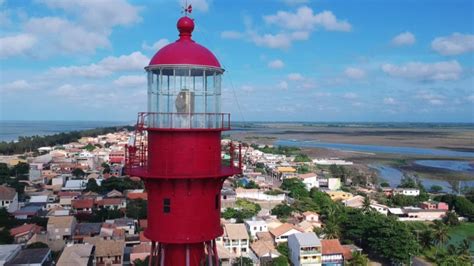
pixel 310 180
pixel 9 199
pixel 311 217
pixel 235 239
pixel 257 194
pixel 406 191
pixel 281 233
pixel 305 249
pixel 254 226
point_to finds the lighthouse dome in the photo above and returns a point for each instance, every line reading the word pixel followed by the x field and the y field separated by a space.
pixel 185 51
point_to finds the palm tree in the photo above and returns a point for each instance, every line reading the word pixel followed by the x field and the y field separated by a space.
pixel 426 238
pixel 451 218
pixel 359 259
pixel 331 230
pixel 366 204
pixel 440 232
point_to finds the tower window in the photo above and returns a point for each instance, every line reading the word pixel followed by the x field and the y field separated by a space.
pixel 166 205
pixel 216 203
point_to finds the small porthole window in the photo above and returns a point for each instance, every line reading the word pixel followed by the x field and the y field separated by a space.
pixel 166 205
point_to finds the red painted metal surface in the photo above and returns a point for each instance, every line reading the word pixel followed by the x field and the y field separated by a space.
pixel 185 51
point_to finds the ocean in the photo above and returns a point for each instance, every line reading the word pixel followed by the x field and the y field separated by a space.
pixel 11 130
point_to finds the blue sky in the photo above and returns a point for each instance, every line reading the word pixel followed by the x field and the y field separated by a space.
pixel 285 60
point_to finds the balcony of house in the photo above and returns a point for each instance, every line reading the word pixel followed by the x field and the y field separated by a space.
pixel 310 250
pixel 308 259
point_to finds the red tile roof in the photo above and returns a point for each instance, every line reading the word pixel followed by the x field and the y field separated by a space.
pixel 24 229
pixel 143 238
pixel 110 201
pixel 82 203
pixel 143 223
pixel 332 246
pixel 137 195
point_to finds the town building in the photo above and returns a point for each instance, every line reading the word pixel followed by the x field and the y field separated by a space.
pixel 281 233
pixel 61 227
pixel 32 257
pixel 332 252
pixel 77 255
pixel 304 249
pixel 254 226
pixel 235 239
pixel 8 199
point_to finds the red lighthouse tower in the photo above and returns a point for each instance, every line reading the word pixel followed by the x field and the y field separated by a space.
pixel 177 152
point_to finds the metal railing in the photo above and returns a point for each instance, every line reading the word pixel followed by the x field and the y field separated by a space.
pixel 184 120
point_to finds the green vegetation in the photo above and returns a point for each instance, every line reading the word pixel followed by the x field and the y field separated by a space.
pixel 244 210
pixel 462 205
pixel 78 173
pixel 13 176
pixel 120 184
pixel 137 209
pixel 302 158
pixel 32 143
pixel 273 192
pixel 288 151
pixel 296 187
pixel 242 261
pixel 282 211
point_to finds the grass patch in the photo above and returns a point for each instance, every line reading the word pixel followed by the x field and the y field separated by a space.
pixel 460 232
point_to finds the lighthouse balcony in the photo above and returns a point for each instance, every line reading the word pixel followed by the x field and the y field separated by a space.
pixel 183 121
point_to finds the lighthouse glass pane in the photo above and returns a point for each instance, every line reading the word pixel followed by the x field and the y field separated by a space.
pixel 184 97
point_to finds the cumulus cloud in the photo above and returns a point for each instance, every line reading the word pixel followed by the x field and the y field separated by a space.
pixel 389 101
pixel 283 85
pixel 454 44
pixel 131 81
pixel 57 34
pixel 295 77
pixel 431 97
pixel 350 96
pixel 155 46
pixel 16 85
pixel 230 34
pixel 16 45
pixel 295 2
pixel 444 70
pixel 86 26
pixel 99 15
pixel 354 73
pixel 277 63
pixel 305 19
pixel 404 38
pixel 132 62
pixel 295 26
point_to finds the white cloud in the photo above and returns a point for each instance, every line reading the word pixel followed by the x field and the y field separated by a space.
pixel 15 86
pixel 455 44
pixel 132 62
pixel 354 73
pixel 230 34
pixel 283 85
pixel 295 77
pixel 247 88
pixel 350 96
pixel 305 19
pixel 131 81
pixel 431 97
pixel 294 27
pixel 16 45
pixel 471 98
pixel 200 5
pixel 57 34
pixel 404 38
pixel 276 64
pixel 389 101
pixel 280 40
pixel 99 15
pixel 295 2
pixel 444 70
pixel 156 46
